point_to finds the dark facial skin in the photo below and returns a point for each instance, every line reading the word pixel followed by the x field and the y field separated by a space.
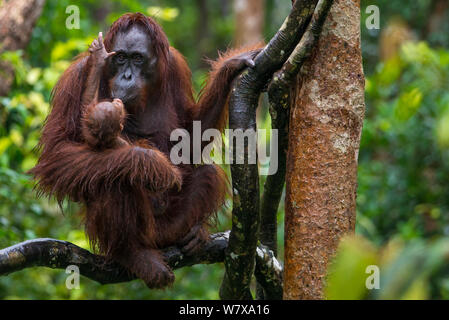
pixel 133 66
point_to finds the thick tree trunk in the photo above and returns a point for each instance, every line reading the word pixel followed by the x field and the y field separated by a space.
pixel 249 21
pixel 17 20
pixel 325 127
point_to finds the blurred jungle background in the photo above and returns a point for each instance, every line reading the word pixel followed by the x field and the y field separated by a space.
pixel 403 192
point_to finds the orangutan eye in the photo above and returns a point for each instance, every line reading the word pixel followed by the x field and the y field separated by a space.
pixel 137 58
pixel 120 58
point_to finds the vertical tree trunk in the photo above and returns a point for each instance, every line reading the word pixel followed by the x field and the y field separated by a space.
pixel 17 20
pixel 436 18
pixel 202 33
pixel 249 19
pixel 249 22
pixel 325 127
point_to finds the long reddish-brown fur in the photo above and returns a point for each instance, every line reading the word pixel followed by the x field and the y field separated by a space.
pixel 136 201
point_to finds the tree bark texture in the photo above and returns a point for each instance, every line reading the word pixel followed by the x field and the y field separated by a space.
pixel 324 134
pixel 17 20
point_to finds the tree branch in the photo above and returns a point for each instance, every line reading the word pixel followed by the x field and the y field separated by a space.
pixel 240 254
pixel 58 254
pixel 283 78
pixel 279 97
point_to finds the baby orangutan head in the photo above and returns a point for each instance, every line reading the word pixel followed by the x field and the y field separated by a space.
pixel 104 122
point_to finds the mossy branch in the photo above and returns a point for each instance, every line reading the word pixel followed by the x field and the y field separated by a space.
pixel 58 254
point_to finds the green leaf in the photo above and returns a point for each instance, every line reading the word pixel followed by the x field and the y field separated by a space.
pixel 347 274
pixel 412 52
pixel 408 104
pixel 33 75
pixel 442 130
pixel 166 14
pixel 389 72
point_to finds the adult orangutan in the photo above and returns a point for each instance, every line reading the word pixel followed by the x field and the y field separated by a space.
pixel 106 145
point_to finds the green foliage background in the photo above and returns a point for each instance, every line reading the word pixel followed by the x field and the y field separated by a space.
pixel 403 197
